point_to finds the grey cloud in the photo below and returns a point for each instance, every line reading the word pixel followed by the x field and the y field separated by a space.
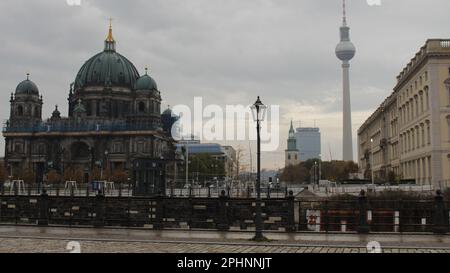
pixel 227 51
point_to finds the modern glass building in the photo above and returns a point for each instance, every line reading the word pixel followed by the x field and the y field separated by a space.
pixel 308 143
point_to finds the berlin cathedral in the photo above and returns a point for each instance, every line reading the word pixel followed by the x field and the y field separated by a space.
pixel 114 118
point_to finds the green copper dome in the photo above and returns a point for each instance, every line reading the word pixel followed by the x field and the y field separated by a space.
pixel 108 69
pixel 27 87
pixel 146 83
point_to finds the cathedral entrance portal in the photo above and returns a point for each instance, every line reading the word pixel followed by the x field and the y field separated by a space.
pixel 80 151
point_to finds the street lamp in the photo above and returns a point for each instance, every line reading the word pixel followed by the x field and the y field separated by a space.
pixel 259 113
pixel 316 181
pixel 107 167
pixel 371 161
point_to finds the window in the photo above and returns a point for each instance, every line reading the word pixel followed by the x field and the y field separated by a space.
pixel 418 137
pixel 141 107
pixel 448 126
pixel 289 157
pixel 42 149
pixel 423 134
pixel 18 147
pixel 416 99
pixel 118 147
pixel 421 101
pixel 140 147
pixel 20 110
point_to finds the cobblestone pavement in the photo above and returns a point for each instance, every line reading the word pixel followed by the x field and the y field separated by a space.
pixel 30 239
pixel 59 245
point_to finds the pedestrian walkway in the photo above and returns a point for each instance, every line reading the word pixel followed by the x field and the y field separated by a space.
pixel 62 240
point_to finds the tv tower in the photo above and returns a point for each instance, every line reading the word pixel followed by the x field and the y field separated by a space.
pixel 345 51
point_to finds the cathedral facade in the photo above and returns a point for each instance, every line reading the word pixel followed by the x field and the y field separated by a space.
pixel 114 119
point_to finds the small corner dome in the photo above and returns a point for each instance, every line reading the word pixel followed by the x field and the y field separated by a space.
pixel 146 83
pixel 167 112
pixel 27 87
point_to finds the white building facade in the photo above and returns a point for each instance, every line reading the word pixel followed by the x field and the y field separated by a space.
pixel 410 131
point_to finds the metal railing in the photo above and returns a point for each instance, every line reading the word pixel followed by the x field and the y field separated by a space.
pixel 120 209
pixel 127 189
pixel 64 189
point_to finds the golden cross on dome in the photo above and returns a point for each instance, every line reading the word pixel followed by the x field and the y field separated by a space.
pixel 110 36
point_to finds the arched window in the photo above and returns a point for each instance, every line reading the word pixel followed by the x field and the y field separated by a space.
pixel 416 100
pixel 141 107
pixel 20 110
pixel 427 99
pixel 421 101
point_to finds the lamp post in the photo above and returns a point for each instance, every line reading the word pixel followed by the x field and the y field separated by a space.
pixel 187 164
pixel 371 162
pixel 107 167
pixel 320 167
pixel 259 112
pixel 316 181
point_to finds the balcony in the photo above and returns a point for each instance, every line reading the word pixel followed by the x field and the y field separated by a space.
pixel 50 128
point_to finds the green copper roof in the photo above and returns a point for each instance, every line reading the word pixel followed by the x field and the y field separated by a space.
pixel 292 141
pixel 27 87
pixel 146 83
pixel 107 68
pixel 167 112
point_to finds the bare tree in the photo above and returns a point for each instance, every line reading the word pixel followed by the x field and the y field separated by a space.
pixel 241 166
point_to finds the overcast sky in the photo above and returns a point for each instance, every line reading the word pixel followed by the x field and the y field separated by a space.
pixel 227 51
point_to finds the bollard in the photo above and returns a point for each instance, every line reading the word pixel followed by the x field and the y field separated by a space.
pixel 363 226
pixel 99 220
pixel 440 218
pixel 43 209
pixel 290 212
pixel 222 215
